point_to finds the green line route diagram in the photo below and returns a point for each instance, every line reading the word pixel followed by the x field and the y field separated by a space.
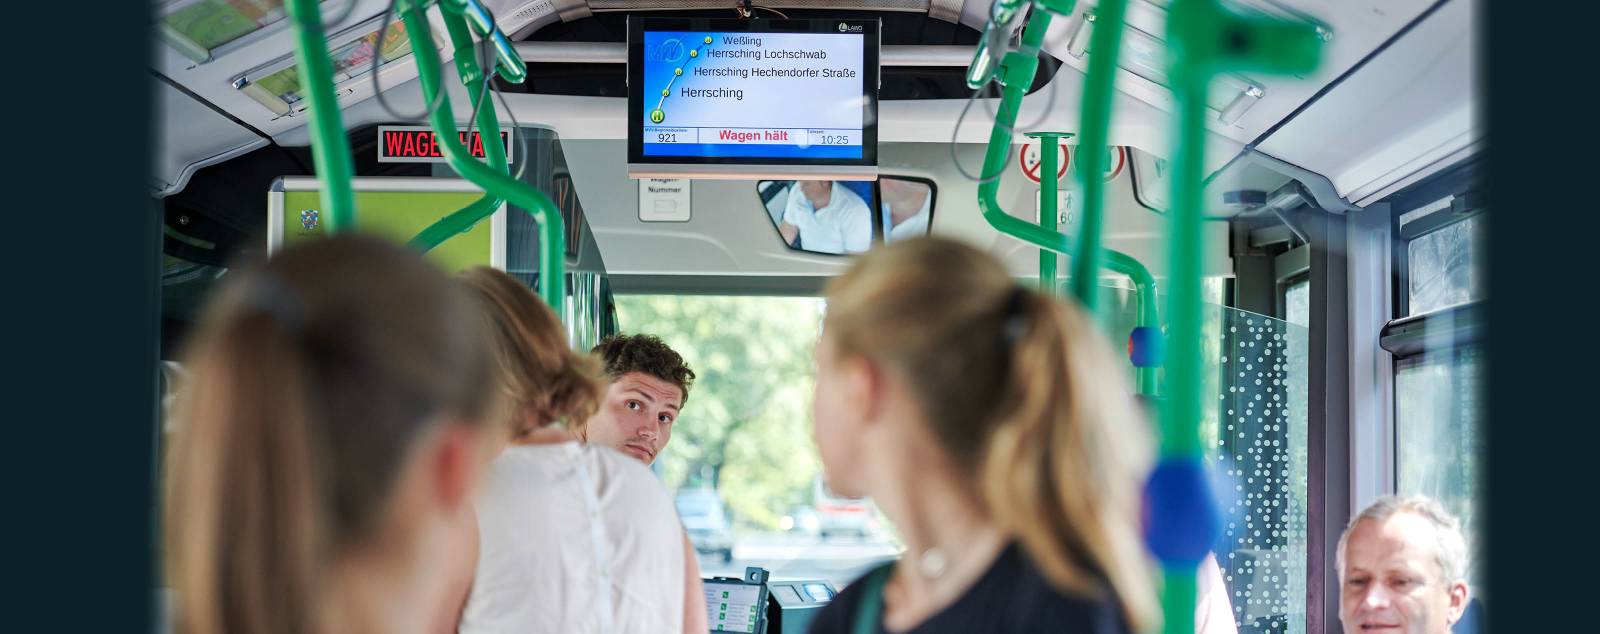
pixel 657 115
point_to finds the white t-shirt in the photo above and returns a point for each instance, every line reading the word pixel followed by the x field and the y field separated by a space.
pixel 575 538
pixel 1213 612
pixel 912 227
pixel 845 224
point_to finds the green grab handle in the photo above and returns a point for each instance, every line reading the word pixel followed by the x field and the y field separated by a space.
pixel 471 75
pixel 1018 70
pixel 552 230
pixel 1099 86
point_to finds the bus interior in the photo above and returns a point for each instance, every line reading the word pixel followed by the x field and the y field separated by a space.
pixel 1339 235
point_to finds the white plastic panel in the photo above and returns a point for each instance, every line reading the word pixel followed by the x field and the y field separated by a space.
pixel 1405 112
pixel 728 234
pixel 1358 27
pixel 205 137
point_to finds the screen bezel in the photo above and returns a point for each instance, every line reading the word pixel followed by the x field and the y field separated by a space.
pixel 869 85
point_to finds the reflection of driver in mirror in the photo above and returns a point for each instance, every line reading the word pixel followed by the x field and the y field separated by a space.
pixel 826 217
pixel 905 207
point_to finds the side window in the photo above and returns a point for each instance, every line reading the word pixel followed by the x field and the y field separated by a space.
pixel 1439 448
pixel 1438 364
pixel 1297 302
pixel 1443 268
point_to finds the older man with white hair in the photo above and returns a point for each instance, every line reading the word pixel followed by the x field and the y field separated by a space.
pixel 1402 568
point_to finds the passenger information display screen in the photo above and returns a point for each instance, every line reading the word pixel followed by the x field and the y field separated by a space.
pixel 733 607
pixel 759 93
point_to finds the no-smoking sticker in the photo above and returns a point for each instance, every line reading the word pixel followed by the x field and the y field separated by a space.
pixel 1030 160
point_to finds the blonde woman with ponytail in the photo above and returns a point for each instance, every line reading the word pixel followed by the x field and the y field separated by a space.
pixel 326 447
pixel 571 537
pixel 994 428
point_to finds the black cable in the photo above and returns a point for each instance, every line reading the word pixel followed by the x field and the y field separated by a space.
pixel 955 134
pixel 995 37
pixel 522 141
pixel 486 66
pixel 377 56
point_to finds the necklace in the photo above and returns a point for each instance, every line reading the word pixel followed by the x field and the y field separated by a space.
pixel 931 563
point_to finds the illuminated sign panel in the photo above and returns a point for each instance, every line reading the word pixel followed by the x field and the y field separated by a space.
pixel 418 144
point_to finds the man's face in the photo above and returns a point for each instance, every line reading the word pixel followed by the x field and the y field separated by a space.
pixel 636 417
pixel 820 193
pixel 1392 581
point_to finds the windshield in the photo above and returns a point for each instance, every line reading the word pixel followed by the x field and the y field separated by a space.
pixel 742 448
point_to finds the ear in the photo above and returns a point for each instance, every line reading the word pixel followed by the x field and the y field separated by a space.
pixel 453 464
pixel 1459 595
pixel 865 387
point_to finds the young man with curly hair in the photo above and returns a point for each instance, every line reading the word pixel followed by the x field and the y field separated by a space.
pixel 649 384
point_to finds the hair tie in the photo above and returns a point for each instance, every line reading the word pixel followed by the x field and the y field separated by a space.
pixel 268 295
pixel 1014 317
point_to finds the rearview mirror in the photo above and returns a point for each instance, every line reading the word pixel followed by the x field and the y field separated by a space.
pixel 820 216
pixel 907 207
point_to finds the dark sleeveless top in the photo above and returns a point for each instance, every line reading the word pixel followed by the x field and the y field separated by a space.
pixel 1012 596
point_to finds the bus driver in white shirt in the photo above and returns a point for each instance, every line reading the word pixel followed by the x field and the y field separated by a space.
pixel 826 217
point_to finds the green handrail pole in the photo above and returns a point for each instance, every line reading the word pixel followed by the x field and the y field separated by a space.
pixel 552 230
pixel 1203 41
pixel 1099 85
pixel 1048 142
pixel 330 150
pixel 1018 69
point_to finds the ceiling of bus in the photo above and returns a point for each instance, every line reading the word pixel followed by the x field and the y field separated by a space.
pixel 1387 118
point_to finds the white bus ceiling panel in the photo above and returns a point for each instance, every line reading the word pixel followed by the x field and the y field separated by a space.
pixel 214 80
pixel 728 234
pixel 1133 122
pixel 1399 117
pixel 192 136
pixel 1355 29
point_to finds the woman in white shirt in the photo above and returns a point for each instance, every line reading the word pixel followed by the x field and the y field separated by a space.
pixel 571 537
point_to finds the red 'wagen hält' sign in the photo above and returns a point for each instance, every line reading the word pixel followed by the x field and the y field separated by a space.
pixel 418 144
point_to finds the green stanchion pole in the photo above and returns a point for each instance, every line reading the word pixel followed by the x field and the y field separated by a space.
pixel 1049 164
pixel 1203 41
pixel 330 150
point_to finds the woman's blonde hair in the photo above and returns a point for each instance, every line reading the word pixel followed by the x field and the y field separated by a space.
pixel 537 374
pixel 1025 396
pixel 312 377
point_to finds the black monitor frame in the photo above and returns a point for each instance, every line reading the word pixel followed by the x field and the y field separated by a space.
pixel 752 168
